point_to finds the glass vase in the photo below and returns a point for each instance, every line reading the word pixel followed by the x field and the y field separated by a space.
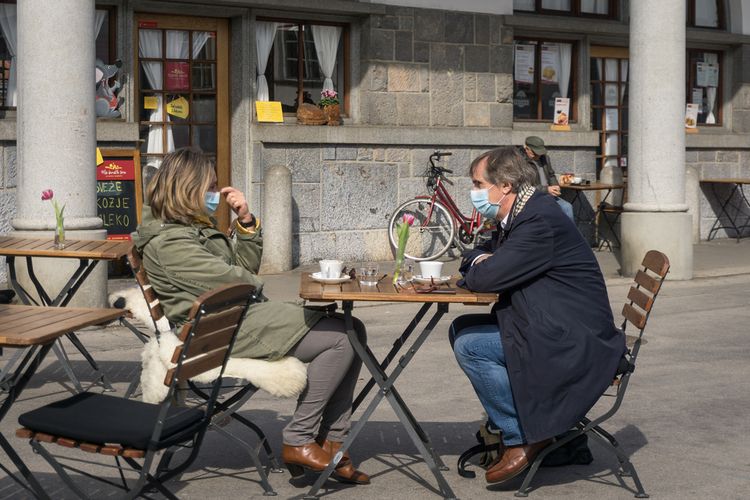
pixel 60 237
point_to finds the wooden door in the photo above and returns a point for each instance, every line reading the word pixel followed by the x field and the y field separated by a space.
pixel 182 90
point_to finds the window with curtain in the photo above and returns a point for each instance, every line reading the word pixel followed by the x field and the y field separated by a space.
pixel 586 8
pixel 704 84
pixel 706 14
pixel 542 71
pixel 301 59
pixel 104 27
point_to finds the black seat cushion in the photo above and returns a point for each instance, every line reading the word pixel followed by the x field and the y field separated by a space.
pixel 103 419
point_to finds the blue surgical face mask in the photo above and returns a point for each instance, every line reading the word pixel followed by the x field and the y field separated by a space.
pixel 212 201
pixel 480 198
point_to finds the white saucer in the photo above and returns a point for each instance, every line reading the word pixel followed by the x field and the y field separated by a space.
pixel 329 281
pixel 428 281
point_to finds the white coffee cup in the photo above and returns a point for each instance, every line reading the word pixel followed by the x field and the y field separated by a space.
pixel 331 268
pixel 431 269
pixel 576 180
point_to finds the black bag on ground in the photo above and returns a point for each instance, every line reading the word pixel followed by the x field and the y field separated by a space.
pixel 576 452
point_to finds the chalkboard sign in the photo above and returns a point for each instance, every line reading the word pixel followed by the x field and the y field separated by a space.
pixel 119 192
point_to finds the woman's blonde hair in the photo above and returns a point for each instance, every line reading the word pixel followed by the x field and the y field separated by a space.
pixel 177 190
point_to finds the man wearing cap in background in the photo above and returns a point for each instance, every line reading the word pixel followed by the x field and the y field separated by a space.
pixel 546 181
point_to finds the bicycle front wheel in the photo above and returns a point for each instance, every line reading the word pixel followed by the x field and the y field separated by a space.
pixel 432 233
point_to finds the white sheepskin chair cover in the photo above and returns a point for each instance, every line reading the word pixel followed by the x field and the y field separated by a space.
pixel 284 378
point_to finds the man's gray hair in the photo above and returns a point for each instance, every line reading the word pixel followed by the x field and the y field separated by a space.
pixel 506 164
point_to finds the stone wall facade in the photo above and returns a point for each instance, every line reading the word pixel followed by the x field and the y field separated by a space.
pixel 344 195
pixel 712 164
pixel 436 68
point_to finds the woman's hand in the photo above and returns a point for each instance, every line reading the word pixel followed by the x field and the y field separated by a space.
pixel 237 202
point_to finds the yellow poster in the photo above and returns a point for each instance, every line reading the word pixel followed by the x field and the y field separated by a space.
pixel 269 111
pixel 150 102
pixel 99 158
pixel 179 108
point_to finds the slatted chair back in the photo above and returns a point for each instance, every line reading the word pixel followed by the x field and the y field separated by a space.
pixel 154 306
pixel 642 294
pixel 209 332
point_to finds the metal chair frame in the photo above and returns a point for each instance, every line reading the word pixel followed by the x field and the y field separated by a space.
pixel 223 408
pixel 226 304
pixel 658 264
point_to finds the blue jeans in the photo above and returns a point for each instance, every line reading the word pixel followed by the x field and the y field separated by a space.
pixel 566 207
pixel 475 339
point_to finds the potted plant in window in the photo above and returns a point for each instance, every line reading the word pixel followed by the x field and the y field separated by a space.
pixel 329 101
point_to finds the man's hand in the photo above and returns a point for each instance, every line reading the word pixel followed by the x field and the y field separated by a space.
pixel 553 190
pixel 236 201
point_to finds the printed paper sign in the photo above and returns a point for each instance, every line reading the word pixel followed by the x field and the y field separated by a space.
pixel 150 102
pixel 179 108
pixel 178 76
pixel 697 98
pixel 524 63
pixel 99 158
pixel 562 110
pixel 269 111
pixel 691 115
pixel 707 75
pixel 550 64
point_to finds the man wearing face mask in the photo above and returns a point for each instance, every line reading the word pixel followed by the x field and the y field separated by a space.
pixel 549 348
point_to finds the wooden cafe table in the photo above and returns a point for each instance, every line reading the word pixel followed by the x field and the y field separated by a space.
pixel 385 291
pixel 36 328
pixel 89 253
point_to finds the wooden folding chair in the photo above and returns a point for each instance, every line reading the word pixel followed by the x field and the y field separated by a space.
pixel 636 312
pixel 225 406
pixel 133 432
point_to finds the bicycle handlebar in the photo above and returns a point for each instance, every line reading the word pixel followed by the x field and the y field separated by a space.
pixel 439 154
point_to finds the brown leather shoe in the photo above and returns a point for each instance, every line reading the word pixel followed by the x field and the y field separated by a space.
pixel 515 460
pixel 345 470
pixel 309 456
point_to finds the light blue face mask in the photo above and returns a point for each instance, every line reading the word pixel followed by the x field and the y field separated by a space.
pixel 212 200
pixel 480 198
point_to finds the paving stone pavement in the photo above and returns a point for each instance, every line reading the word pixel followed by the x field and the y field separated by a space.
pixel 684 420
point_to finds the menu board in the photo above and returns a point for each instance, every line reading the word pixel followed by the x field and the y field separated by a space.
pixel 119 194
pixel 524 63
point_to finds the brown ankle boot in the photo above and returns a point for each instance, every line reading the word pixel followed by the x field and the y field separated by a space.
pixel 345 470
pixel 309 456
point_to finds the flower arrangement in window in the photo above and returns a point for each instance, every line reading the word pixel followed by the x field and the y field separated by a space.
pixel 328 97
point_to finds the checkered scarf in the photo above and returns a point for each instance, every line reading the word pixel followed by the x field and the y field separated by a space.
pixel 524 193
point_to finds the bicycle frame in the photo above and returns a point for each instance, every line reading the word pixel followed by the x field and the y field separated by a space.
pixel 471 225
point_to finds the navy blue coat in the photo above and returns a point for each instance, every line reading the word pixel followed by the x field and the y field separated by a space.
pixel 561 345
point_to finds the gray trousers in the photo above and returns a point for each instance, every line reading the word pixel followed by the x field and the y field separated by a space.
pixel 324 408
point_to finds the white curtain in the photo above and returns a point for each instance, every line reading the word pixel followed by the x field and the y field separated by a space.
pixel 326 46
pixel 199 40
pixel 10 33
pixel 595 6
pixel 98 22
pixel 556 4
pixel 711 91
pixel 706 13
pixel 623 78
pixel 566 53
pixel 265 33
pixel 524 5
pixel 150 46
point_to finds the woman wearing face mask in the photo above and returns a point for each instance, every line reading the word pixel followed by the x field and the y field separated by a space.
pixel 185 255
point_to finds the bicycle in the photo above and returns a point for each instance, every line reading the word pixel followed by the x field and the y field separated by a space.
pixel 438 222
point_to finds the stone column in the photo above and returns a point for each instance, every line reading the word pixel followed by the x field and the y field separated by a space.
pixel 656 213
pixel 57 133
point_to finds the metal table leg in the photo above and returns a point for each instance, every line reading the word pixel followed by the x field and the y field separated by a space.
pixel 85 267
pixel 724 212
pixel 387 390
pixel 23 373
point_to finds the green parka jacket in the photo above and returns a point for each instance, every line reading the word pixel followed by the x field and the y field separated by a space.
pixel 182 262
